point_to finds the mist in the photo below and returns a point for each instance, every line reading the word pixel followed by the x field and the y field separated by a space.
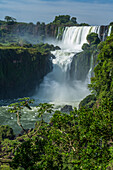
pixel 57 86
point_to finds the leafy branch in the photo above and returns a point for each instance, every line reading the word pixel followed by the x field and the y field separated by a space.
pixel 18 107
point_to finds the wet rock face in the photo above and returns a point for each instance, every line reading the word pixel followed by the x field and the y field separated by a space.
pixel 103 32
pixel 21 71
pixel 31 32
pixel 80 66
pixel 85 60
pixel 67 108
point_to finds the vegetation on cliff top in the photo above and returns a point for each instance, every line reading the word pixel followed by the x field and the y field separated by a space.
pixel 22 68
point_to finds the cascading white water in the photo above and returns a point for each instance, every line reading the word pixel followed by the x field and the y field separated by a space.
pixel 57 86
pixel 90 71
pixel 109 31
pixel 75 37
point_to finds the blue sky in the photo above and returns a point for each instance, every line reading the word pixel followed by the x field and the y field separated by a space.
pixel 93 12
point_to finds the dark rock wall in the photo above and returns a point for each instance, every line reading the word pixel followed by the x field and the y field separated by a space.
pixel 21 71
pixel 80 66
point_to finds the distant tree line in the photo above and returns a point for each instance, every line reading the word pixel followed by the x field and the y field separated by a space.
pixel 59 20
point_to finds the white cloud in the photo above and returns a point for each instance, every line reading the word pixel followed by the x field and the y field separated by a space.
pixel 37 10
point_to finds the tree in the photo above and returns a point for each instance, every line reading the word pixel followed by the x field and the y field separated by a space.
pixel 10 19
pixel 73 19
pixel 62 19
pixel 111 23
pixel 93 38
pixel 38 23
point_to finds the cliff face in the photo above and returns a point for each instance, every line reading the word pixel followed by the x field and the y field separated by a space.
pixel 49 30
pixel 85 61
pixel 21 71
pixel 31 33
pixel 80 66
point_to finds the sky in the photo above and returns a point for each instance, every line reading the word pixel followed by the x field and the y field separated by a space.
pixel 93 12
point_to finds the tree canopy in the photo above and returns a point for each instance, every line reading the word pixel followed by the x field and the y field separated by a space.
pixel 93 38
pixel 65 20
pixel 10 19
pixel 102 82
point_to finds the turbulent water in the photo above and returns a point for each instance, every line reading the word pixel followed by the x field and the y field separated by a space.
pixel 57 86
pixel 28 119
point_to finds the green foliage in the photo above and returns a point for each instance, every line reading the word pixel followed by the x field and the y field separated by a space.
pixel 85 46
pixel 79 140
pixel 5 167
pixel 28 153
pixel 6 132
pixel 62 19
pixel 73 20
pixel 9 19
pixel 83 24
pixel 45 48
pixel 66 20
pixel 60 31
pixel 93 38
pixel 17 107
pixel 88 101
pixel 44 108
pixel 111 23
pixel 102 83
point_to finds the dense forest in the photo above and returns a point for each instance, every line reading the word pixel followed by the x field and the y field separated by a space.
pixel 81 139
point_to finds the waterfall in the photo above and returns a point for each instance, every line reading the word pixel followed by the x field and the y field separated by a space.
pixel 59 34
pixel 75 37
pixel 88 80
pixel 109 31
pixel 57 87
